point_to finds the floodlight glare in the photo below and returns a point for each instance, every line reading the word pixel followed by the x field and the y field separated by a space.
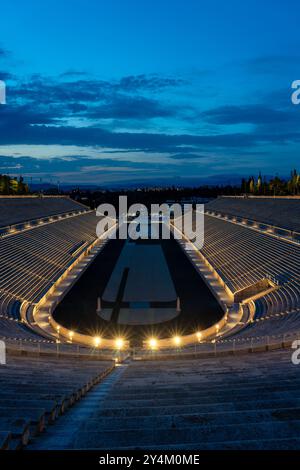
pixel 153 343
pixel 119 343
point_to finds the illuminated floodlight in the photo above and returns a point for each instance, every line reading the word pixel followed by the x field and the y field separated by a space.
pixel 153 343
pixel 97 341
pixel 119 343
pixel 177 340
pixel 199 335
pixel 71 334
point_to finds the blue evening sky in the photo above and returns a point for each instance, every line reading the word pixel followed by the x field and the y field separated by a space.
pixel 169 91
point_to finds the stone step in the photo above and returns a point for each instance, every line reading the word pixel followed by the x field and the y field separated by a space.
pixel 34 416
pixel 160 410
pixel 16 444
pixel 191 420
pixel 201 391
pixel 40 387
pixel 195 409
pixel 59 382
pixel 204 371
pixel 60 400
pixel 62 434
pixel 202 400
pixel 45 389
pixel 5 438
pixel 51 408
pixel 18 428
pixel 256 444
pixel 90 439
pixel 196 387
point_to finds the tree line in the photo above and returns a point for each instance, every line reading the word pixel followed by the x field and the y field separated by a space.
pixel 260 186
pixel 274 187
pixel 13 185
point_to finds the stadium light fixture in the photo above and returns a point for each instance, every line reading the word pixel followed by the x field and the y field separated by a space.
pixel 177 340
pixel 119 343
pixel 153 343
pixel 199 335
pixel 71 334
pixel 97 341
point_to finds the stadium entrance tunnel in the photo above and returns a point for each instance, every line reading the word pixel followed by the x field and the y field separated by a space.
pixel 138 290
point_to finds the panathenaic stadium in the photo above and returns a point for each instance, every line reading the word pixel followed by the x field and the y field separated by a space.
pixel 149 344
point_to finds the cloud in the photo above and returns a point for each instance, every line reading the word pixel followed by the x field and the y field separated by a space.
pixel 77 169
pixel 73 73
pixel 249 114
pixel 40 110
pixel 82 169
pixel 6 75
pixel 47 90
pixel 21 132
pixel 94 99
pixel 130 107
pixel 187 156
pixel 17 118
pixel 152 82
pixel 41 90
pixel 46 122
pixel 139 113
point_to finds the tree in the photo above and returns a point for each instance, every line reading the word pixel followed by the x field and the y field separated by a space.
pixel 244 187
pixel 293 183
pixel 14 185
pixel 259 184
pixel 276 186
pixel 251 185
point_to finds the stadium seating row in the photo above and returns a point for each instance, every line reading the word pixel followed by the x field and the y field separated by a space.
pixel 14 329
pixel 15 210
pixel 280 212
pixel 243 258
pixel 246 402
pixel 34 392
pixel 32 260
